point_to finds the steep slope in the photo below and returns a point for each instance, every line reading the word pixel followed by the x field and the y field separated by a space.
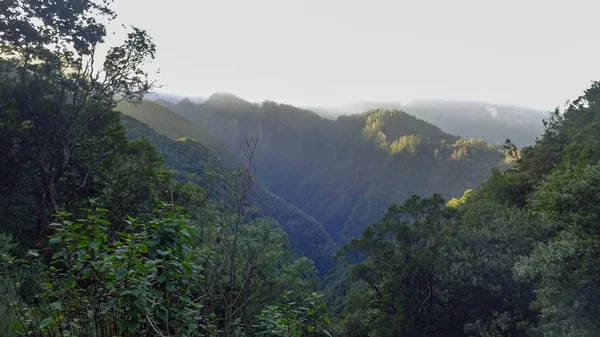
pixel 175 126
pixel 383 157
pixel 346 172
pixel 188 156
pixel 491 122
pixel 289 137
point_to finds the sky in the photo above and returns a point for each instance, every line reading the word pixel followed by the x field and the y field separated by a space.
pixel 534 53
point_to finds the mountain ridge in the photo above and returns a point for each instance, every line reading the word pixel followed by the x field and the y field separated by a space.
pixel 492 122
pixel 489 121
pixel 196 156
pixel 334 169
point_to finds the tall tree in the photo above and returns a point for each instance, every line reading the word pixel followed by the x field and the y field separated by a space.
pixel 397 261
pixel 58 97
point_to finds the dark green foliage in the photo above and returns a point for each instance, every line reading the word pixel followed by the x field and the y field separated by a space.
pixel 515 257
pixel 39 175
pixel 7 293
pixel 398 263
pixel 479 257
pixel 140 283
pixel 59 130
pixel 566 263
pixel 292 319
pixel 428 270
pixel 160 277
pixel 209 273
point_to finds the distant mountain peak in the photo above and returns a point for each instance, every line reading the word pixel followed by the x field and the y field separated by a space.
pixel 218 96
pixel 471 119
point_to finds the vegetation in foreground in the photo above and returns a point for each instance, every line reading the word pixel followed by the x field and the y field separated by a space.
pixel 516 256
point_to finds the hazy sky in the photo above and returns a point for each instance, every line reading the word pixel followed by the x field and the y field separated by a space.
pixel 535 53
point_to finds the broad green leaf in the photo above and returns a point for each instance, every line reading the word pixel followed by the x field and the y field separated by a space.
pixel 56 305
pixel 82 255
pixel 86 272
pixel 131 324
pixel 141 267
pixel 186 233
pixel 54 241
pixel 122 272
pixel 33 253
pixel 46 322
pixel 163 252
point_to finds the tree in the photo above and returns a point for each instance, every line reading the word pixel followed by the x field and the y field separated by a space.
pixel 398 264
pixel 477 263
pixel 568 291
pixel 58 101
pixel 141 282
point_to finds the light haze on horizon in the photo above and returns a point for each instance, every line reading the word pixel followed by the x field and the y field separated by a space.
pixel 330 52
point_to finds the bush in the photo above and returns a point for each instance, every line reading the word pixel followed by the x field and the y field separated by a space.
pixel 105 283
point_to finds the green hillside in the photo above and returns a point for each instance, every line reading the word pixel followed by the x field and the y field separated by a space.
pixel 493 123
pixel 346 172
pixel 137 221
pixel 191 156
pixel 517 256
pixel 174 126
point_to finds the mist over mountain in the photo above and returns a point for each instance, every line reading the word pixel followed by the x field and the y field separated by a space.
pixel 493 123
pixel 345 172
pixel 131 214
pixel 189 150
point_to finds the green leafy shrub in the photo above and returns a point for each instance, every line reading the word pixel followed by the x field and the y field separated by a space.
pixel 139 282
pixel 7 292
pixel 288 318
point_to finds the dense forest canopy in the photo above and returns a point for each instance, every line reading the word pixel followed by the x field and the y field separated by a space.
pixel 99 236
pixel 194 157
pixel 493 123
pixel 123 217
pixel 515 257
pixel 345 173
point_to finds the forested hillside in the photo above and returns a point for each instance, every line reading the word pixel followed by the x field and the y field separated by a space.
pixel 493 123
pixel 104 236
pixel 346 172
pixel 192 160
pixel 121 218
pixel 517 256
